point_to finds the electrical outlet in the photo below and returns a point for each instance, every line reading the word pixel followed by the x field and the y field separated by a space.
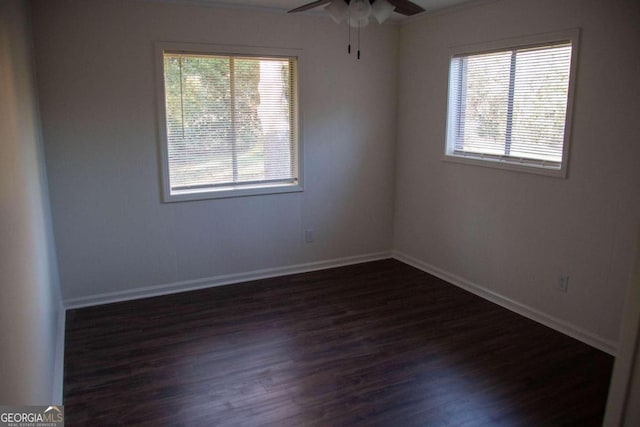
pixel 563 284
pixel 309 236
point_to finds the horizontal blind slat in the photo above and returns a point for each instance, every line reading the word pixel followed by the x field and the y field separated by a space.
pixel 510 110
pixel 218 138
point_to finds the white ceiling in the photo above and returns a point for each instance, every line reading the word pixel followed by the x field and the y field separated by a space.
pixel 284 5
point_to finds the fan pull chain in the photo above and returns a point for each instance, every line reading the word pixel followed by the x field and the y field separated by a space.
pixel 349 30
pixel 358 39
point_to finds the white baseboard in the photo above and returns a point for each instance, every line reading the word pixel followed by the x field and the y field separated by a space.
pixel 208 282
pixel 58 373
pixel 524 310
pixel 566 328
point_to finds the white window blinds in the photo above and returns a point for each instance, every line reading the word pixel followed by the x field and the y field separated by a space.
pixel 231 121
pixel 510 105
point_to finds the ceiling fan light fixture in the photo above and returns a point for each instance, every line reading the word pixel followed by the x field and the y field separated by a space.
pixel 382 10
pixel 337 9
pixel 359 23
pixel 359 10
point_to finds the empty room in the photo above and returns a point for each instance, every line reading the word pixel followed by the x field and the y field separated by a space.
pixel 334 212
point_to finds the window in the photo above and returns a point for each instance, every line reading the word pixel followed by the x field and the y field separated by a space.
pixel 509 103
pixel 229 122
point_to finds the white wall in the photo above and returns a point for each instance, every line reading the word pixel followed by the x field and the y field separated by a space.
pixel 515 233
pixel 29 289
pixel 623 403
pixel 632 414
pixel 96 82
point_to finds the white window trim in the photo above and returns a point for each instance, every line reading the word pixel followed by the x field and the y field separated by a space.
pixel 573 36
pixel 239 190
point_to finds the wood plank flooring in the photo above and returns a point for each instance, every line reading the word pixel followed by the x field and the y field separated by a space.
pixel 375 344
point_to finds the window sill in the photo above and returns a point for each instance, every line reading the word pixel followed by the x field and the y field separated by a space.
pixel 228 192
pixel 504 164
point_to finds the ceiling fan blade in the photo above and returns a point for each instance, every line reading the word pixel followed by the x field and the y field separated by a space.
pixel 406 7
pixel 309 6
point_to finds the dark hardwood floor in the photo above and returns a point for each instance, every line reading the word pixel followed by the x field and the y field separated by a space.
pixel 375 344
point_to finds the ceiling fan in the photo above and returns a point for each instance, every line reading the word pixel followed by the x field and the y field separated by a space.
pixel 358 12
pixel 404 7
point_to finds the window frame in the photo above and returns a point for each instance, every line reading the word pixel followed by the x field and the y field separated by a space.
pixel 507 163
pixel 239 190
